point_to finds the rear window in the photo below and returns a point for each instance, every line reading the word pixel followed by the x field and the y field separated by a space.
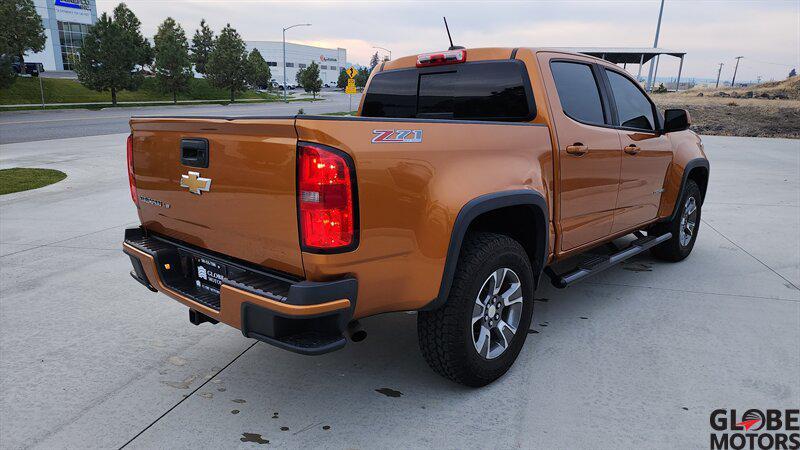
pixel 491 90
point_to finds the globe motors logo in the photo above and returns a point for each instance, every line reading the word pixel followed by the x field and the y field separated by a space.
pixel 755 429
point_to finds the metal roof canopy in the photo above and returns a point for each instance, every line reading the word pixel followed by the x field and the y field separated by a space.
pixel 632 55
pixel 629 55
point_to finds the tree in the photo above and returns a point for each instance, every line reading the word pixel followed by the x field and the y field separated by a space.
pixel 172 64
pixel 362 76
pixel 227 63
pixel 310 79
pixel 131 26
pixel 113 53
pixel 202 44
pixel 21 31
pixel 257 70
pixel 7 74
pixel 792 73
pixel 298 77
pixel 341 82
pixel 374 61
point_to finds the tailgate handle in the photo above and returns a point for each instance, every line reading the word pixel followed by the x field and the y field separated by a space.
pixel 194 152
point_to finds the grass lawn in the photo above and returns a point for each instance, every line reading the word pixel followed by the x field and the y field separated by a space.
pixel 21 179
pixel 59 90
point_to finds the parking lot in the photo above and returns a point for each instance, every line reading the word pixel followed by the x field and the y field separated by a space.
pixel 37 125
pixel 635 357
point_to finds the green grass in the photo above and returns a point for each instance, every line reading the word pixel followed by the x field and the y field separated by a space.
pixel 21 179
pixel 58 90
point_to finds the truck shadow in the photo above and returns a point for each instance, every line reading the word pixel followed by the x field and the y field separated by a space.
pixel 290 398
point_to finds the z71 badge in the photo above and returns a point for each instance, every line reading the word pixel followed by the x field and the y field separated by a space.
pixel 396 136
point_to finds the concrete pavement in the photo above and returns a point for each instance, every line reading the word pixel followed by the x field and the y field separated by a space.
pixel 635 357
pixel 27 126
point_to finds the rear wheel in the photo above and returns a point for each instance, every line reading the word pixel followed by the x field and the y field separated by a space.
pixel 684 226
pixel 475 337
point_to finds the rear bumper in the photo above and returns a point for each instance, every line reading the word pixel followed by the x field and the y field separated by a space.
pixel 301 316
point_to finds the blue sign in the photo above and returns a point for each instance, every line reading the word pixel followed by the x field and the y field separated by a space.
pixel 77 4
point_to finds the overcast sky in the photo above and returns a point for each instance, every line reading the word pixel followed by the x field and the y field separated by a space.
pixel 766 33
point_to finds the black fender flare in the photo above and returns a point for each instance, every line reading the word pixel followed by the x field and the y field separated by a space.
pixel 483 204
pixel 687 169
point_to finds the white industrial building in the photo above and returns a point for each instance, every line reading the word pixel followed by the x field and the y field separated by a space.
pixel 298 57
pixel 65 22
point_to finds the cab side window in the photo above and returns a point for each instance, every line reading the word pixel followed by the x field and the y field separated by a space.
pixel 578 91
pixel 633 108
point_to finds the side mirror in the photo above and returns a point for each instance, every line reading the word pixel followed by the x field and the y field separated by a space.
pixel 676 120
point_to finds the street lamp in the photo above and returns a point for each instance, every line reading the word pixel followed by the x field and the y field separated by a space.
pixel 649 85
pixel 386 50
pixel 284 56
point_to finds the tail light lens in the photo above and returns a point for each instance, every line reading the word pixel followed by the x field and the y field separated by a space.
pixel 326 197
pixel 131 181
pixel 441 58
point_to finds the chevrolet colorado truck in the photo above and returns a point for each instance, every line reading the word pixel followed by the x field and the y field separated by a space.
pixel 467 177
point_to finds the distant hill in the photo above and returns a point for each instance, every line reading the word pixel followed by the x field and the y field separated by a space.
pixel 788 89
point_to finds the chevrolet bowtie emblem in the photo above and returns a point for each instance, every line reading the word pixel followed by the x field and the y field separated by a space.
pixel 195 183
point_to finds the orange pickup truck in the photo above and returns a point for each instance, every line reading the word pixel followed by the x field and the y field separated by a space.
pixel 467 176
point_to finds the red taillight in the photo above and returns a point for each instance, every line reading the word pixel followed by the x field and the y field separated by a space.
pixel 326 198
pixel 441 58
pixel 131 181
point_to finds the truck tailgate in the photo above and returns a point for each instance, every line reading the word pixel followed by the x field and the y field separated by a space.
pixel 249 211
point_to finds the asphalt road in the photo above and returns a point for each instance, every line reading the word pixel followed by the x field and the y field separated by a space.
pixel 636 357
pixel 26 126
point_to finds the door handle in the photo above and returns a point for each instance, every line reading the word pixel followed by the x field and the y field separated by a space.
pixel 632 149
pixel 577 149
pixel 194 152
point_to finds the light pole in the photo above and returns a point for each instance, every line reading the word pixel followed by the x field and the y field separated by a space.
pixel 284 56
pixel 386 50
pixel 649 85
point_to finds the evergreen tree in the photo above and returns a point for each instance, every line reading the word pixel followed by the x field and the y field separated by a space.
pixel 341 82
pixel 374 61
pixel 21 31
pixel 258 73
pixel 362 76
pixel 227 62
pixel 310 80
pixel 7 74
pixel 131 27
pixel 173 66
pixel 202 44
pixel 113 53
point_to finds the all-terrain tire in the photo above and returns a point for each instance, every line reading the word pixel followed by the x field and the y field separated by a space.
pixel 446 334
pixel 678 247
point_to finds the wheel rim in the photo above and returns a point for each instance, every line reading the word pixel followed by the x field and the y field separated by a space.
pixel 497 313
pixel 688 221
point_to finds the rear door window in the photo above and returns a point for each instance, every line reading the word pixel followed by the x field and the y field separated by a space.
pixel 491 90
pixel 633 108
pixel 578 91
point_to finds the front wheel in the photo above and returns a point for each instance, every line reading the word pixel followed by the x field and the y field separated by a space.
pixel 475 337
pixel 684 226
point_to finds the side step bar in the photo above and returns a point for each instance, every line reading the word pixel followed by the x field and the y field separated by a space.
pixel 601 262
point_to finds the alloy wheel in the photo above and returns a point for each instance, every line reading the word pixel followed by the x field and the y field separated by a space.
pixel 497 313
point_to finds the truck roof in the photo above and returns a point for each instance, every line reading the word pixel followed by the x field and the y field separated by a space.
pixel 482 54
